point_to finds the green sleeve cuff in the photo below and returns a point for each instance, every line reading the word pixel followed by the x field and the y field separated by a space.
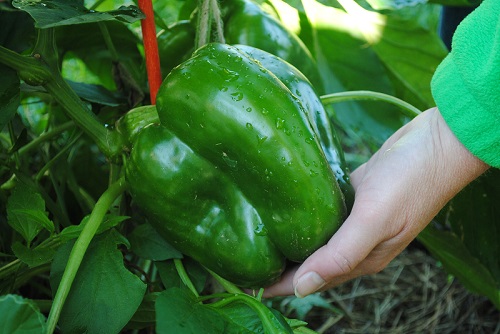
pixel 466 85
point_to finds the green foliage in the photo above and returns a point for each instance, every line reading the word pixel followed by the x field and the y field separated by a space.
pixel 302 306
pixel 53 13
pixel 26 212
pixel 148 244
pixel 360 49
pixel 20 316
pixel 109 292
pixel 465 237
pixel 9 94
pixel 178 311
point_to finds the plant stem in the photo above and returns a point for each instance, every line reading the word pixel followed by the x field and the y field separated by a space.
pixel 28 67
pixel 45 137
pixel 406 108
pixel 148 28
pixel 59 154
pixel 40 70
pixel 108 41
pixel 184 276
pixel 216 15
pixel 204 23
pixel 79 249
pixel 108 141
pixel 266 316
pixel 228 286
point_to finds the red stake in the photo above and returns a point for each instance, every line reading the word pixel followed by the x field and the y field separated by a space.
pixel 150 48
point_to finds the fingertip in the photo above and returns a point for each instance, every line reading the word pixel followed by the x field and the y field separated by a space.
pixel 308 283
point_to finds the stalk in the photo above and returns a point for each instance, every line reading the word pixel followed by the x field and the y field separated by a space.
pixel 406 108
pixel 267 318
pixel 80 247
pixel 228 286
pixel 151 48
pixel 204 23
pixel 217 17
pixel 41 69
pixel 45 137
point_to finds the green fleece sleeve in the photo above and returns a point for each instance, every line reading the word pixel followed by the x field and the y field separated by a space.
pixel 466 85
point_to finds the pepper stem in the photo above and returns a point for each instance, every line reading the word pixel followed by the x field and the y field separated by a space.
pixel 217 17
pixel 209 14
pixel 204 24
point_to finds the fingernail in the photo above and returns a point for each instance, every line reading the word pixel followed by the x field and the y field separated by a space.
pixel 308 283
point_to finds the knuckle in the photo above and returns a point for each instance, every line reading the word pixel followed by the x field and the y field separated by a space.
pixel 343 263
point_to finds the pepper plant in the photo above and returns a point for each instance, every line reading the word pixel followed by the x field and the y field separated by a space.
pixel 128 205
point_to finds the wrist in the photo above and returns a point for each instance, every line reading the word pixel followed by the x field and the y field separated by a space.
pixel 460 163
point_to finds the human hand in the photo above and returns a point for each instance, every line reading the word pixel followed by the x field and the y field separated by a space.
pixel 398 192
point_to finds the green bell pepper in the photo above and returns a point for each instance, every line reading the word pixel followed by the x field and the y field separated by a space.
pixel 175 45
pixel 298 84
pixel 236 176
pixel 248 24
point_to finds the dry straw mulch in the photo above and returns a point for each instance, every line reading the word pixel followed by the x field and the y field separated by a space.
pixel 412 295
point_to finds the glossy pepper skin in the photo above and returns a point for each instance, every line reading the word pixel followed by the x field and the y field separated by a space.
pixel 199 210
pixel 299 85
pixel 248 24
pixel 239 181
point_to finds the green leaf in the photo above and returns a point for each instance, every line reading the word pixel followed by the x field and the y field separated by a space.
pixel 20 316
pixel 178 311
pixel 53 13
pixel 457 2
pixel 458 261
pixel 33 257
pixel 302 306
pixel 303 330
pixel 242 318
pixel 145 316
pixel 394 4
pixel 97 94
pixel 9 94
pixel 73 231
pixel 33 111
pixel 474 216
pixel 346 62
pixel 26 212
pixel 170 278
pixel 17 33
pixel 242 310
pixel 466 240
pixel 148 244
pixel 411 66
pixel 87 59
pixel 359 49
pixel 105 294
pixel 170 12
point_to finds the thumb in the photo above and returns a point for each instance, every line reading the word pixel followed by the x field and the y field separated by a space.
pixel 338 260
